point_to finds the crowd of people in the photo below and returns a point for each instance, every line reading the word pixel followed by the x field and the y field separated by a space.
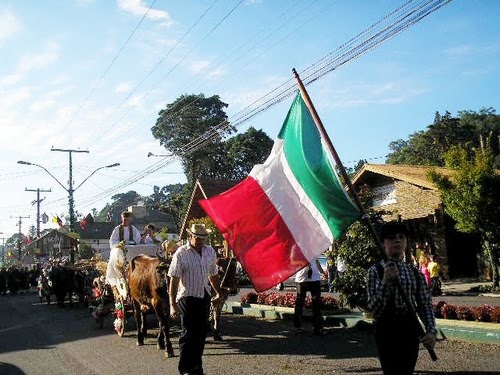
pixel 18 279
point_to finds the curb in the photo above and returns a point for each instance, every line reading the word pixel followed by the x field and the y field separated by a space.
pixel 488 333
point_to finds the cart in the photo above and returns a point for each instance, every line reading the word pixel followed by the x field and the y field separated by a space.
pixel 105 305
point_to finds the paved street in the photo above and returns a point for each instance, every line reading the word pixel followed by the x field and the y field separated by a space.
pixel 41 339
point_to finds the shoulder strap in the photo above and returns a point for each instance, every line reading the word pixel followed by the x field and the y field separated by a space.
pixel 380 270
pixel 130 233
pixel 120 232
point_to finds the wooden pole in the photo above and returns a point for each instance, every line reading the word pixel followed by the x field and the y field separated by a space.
pixel 364 216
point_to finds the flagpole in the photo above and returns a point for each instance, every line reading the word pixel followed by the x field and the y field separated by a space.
pixel 347 180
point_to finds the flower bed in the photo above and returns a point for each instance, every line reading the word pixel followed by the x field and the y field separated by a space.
pixel 442 310
pixel 484 313
pixel 328 303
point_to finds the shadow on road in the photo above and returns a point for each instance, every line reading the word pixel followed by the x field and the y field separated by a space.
pixel 268 337
pixel 7 368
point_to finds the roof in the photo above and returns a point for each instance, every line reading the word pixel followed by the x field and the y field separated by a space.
pixel 204 190
pixel 51 233
pixel 96 231
pixel 414 174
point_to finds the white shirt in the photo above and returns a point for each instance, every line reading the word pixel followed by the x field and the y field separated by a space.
pixel 193 270
pixel 115 236
pixel 115 264
pixel 301 276
pixel 341 267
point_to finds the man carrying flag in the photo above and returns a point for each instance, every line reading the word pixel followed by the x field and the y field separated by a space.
pixel 288 210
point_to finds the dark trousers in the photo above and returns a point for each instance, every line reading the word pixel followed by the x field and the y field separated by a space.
pixel 397 344
pixel 314 287
pixel 194 321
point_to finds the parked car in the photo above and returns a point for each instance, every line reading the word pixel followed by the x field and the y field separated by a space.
pixel 290 282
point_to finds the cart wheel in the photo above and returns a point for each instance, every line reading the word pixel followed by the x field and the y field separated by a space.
pixel 121 321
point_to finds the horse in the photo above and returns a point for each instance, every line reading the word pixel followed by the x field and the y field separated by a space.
pixel 228 285
pixel 148 283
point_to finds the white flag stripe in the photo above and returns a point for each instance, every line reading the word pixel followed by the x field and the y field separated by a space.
pixel 306 224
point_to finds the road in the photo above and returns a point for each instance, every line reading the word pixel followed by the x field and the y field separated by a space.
pixel 42 339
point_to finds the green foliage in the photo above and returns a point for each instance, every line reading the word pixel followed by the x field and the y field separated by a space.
pixel 215 237
pixel 359 251
pixel 244 151
pixel 85 251
pixel 187 118
pixel 471 197
pixel 193 116
pixel 470 129
pixel 120 203
pixel 171 199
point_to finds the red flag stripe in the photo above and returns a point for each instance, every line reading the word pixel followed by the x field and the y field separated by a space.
pixel 257 233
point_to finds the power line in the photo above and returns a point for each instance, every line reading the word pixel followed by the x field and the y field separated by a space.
pixel 377 38
pixel 398 21
pixel 153 69
pixel 107 69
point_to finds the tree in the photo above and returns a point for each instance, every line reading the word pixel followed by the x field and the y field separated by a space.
pixel 471 197
pixel 359 251
pixel 470 129
pixel 120 203
pixel 186 119
pixel 244 151
pixel 172 199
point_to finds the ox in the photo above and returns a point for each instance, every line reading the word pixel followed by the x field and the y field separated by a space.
pixel 62 279
pixel 148 283
pixel 227 276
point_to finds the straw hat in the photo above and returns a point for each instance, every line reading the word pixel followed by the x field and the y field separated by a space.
pixel 198 230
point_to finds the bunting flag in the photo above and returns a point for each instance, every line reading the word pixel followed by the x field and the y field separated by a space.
pixel 87 220
pixel 59 222
pixel 288 210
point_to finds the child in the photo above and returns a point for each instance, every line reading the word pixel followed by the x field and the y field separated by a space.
pixel 424 262
pixel 434 270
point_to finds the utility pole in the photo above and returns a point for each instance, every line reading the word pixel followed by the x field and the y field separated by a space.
pixel 72 219
pixel 38 200
pixel 19 224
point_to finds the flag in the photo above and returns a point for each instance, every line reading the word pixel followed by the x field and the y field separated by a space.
pixel 83 223
pixel 288 210
pixel 59 222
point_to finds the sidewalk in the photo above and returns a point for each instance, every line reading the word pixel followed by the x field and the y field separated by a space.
pixel 463 286
pixel 451 329
pixel 488 333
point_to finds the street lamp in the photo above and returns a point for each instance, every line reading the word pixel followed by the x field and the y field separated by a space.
pixel 70 190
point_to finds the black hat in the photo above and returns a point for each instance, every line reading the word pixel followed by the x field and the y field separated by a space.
pixel 389 229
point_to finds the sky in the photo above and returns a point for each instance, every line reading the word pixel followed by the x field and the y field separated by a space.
pixel 92 75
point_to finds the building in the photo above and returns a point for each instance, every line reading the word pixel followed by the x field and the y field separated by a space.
pixel 97 234
pixel 52 244
pixel 404 193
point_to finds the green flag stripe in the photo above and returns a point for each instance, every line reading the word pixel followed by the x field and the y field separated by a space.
pixel 310 165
